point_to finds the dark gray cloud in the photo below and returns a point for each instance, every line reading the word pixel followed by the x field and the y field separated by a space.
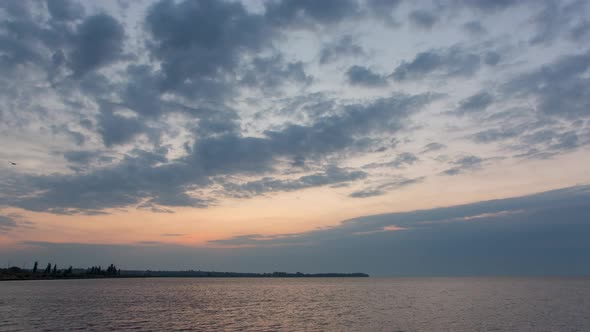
pixel 463 164
pixel 560 88
pixel 142 92
pixel 423 18
pixel 485 6
pixel 363 76
pixel 25 41
pixel 383 188
pixel 81 157
pixel 137 178
pixel 547 143
pixel 65 10
pixel 148 179
pixel 493 135
pixel 492 58
pixel 401 160
pixel 332 175
pixel 302 12
pixel 384 10
pixel 7 224
pixel 451 62
pixel 530 132
pixel 474 28
pixel 117 129
pixel 51 44
pixel 12 222
pixel 476 103
pixel 580 32
pixel 99 41
pixel 200 42
pixel 347 128
pixel 343 47
pixel 434 146
pixel 558 19
pixel 271 73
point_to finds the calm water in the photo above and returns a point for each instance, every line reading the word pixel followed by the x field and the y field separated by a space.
pixel 373 304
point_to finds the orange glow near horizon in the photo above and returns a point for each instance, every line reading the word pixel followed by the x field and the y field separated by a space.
pixel 295 212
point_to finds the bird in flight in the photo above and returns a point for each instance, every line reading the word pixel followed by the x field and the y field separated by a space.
pixel 13 164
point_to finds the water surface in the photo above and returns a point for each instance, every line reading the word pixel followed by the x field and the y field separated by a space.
pixel 330 304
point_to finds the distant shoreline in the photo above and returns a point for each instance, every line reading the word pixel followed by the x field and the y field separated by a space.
pixel 13 274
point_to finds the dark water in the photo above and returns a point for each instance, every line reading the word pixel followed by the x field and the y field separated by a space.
pixel 373 304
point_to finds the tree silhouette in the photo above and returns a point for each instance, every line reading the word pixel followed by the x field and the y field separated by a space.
pixel 112 270
pixel 48 268
pixel 55 269
pixel 35 267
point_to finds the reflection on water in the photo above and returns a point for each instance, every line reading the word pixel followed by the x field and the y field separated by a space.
pixel 365 304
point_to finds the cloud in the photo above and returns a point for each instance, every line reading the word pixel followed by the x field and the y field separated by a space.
pixel 12 222
pixel 147 179
pixel 474 28
pixel 271 73
pixel 557 19
pixel 332 175
pixel 363 76
pixel 423 19
pixel 384 9
pixel 488 7
pixel 116 129
pixel 301 12
pixel 401 160
pixel 492 58
pixel 80 157
pixel 99 41
pixel 343 47
pixel 462 164
pixel 476 103
pixel 493 135
pixel 6 224
pixel 580 32
pixel 547 143
pixel 383 188
pixel 444 63
pixel 65 10
pixel 198 42
pixel 434 146
pixel 347 128
pixel 134 180
pixel 558 88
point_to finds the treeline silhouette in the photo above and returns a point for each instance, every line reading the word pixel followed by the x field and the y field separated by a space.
pixel 51 271
pixel 110 271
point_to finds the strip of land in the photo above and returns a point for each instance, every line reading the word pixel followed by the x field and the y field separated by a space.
pixel 15 273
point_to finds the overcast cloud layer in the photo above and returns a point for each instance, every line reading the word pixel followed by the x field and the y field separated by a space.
pixel 160 105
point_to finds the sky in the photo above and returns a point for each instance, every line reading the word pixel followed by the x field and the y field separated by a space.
pixel 383 136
